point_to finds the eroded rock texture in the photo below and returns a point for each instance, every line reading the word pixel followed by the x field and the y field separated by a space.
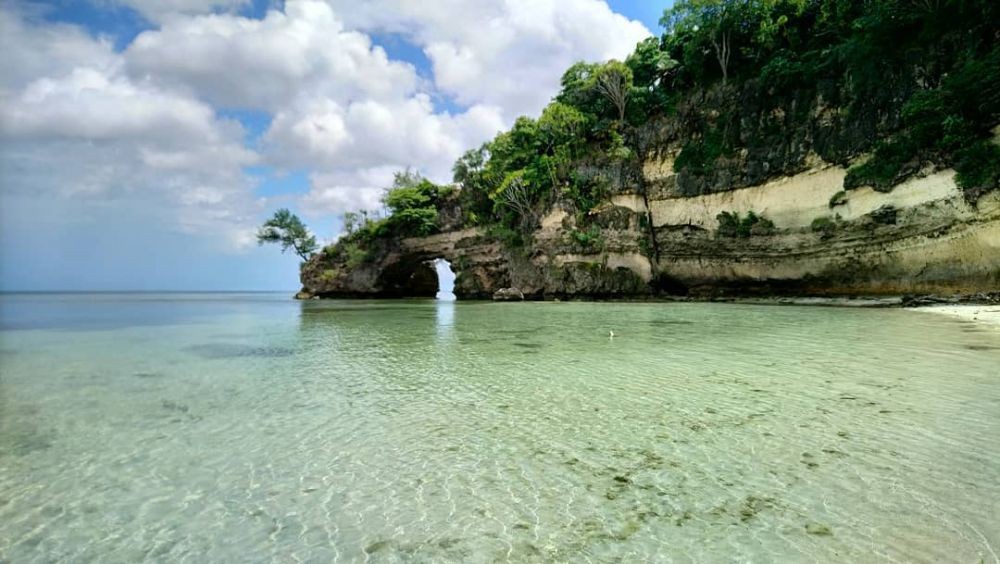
pixel 922 237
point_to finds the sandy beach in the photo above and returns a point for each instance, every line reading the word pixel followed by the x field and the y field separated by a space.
pixel 988 315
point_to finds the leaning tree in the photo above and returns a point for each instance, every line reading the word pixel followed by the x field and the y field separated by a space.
pixel 286 229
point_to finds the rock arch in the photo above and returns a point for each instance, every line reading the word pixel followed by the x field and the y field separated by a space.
pixel 406 269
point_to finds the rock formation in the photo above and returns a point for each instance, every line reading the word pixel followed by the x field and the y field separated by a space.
pixel 922 237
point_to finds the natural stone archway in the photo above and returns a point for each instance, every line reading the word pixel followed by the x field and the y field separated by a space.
pixel 404 268
pixel 482 266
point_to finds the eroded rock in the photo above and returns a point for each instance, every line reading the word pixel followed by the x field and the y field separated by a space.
pixel 508 295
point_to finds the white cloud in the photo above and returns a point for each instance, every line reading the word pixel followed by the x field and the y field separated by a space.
pixel 32 51
pixel 354 149
pixel 509 54
pixel 141 127
pixel 265 64
pixel 341 107
pixel 90 135
pixel 368 133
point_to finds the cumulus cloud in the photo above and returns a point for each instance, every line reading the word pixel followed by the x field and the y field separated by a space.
pixel 142 127
pixel 234 61
pixel 31 50
pixel 81 131
pixel 341 107
pixel 509 54
pixel 405 132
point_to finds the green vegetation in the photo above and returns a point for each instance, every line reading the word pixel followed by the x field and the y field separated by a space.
pixel 286 229
pixel 731 225
pixel 922 77
pixel 745 83
pixel 589 240
pixel 699 156
pixel 929 70
pixel 412 204
pixel 825 226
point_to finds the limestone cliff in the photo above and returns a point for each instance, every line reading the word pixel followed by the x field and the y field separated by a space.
pixel 921 237
pixel 854 153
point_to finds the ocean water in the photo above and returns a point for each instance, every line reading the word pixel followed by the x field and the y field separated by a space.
pixel 253 428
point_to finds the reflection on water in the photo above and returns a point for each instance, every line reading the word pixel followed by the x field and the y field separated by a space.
pixel 445 317
pixel 256 427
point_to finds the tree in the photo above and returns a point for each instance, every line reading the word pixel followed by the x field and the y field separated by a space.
pixel 288 230
pixel 470 164
pixel 352 222
pixel 649 63
pixel 412 203
pixel 712 19
pixel 614 81
pixel 515 195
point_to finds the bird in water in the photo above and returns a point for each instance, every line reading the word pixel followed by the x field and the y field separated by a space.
pixel 611 334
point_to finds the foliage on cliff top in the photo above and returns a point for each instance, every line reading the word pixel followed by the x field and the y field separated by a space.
pixel 925 72
pixel 410 210
pixel 922 76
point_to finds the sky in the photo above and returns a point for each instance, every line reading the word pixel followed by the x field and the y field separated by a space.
pixel 143 141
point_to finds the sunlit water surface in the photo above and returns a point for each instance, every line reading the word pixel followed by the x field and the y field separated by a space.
pixel 245 428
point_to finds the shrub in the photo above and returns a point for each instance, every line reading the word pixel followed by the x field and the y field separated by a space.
pixel 762 228
pixel 890 164
pixel 978 169
pixel 698 157
pixel 838 199
pixel 731 225
pixel 355 255
pixel 826 226
pixel 509 237
pixel 591 239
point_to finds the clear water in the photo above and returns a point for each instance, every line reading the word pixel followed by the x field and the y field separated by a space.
pixel 245 428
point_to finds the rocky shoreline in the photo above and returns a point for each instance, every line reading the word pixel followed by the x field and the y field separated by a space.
pixel 935 303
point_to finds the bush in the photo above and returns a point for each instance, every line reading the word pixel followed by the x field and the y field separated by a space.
pixel 731 225
pixel 762 228
pixel 978 169
pixel 591 240
pixel 826 226
pixel 355 255
pixel 510 238
pixel 891 163
pixel 838 199
pixel 698 157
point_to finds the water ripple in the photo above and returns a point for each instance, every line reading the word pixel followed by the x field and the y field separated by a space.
pixel 359 431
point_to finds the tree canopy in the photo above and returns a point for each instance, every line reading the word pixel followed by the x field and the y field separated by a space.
pixel 922 76
pixel 286 229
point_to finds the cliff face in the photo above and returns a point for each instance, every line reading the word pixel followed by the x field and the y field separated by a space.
pixel 921 237
pixel 846 149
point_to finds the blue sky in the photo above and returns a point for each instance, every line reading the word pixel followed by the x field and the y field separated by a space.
pixel 141 144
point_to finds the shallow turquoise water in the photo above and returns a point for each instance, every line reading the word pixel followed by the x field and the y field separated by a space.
pixel 244 428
